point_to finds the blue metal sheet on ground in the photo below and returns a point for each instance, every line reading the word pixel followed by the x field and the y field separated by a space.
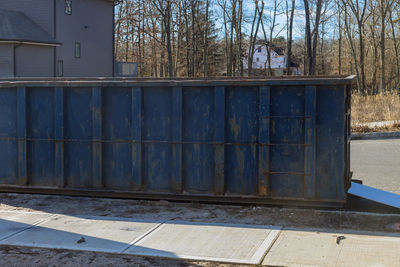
pixel 374 194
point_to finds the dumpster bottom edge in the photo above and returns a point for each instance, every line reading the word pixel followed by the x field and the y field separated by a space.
pixel 172 197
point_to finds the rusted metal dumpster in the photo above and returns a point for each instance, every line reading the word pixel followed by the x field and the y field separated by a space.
pixel 283 140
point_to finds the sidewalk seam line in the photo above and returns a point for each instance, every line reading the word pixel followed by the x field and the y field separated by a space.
pixel 140 238
pixel 30 227
pixel 272 244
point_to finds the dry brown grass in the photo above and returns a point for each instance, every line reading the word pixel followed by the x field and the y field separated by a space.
pixel 382 107
pixel 364 129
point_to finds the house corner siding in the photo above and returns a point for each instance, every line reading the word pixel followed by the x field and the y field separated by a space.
pixel 90 25
pixel 34 61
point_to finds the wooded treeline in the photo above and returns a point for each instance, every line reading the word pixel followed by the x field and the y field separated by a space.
pixel 203 38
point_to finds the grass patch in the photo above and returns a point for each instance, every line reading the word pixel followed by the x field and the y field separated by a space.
pixel 375 108
pixel 365 129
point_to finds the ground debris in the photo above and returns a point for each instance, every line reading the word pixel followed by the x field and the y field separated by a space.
pixel 340 238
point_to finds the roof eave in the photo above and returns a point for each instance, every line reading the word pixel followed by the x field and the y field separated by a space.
pixel 31 42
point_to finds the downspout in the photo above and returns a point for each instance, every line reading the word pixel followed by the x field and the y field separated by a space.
pixel 14 58
pixel 55 36
pixel 113 41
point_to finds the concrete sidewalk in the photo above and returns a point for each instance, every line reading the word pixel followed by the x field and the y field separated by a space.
pixel 233 243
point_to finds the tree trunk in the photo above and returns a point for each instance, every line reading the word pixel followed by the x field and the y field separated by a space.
pixel 340 39
pixel 315 38
pixel 226 39
pixel 205 41
pixel 396 50
pixel 362 60
pixel 353 50
pixel 188 66
pixel 169 44
pixel 162 55
pixel 253 35
pixel 290 39
pixel 308 38
pixel 271 32
pixel 193 54
pixel 139 64
pixel 118 31
pixel 239 37
pixel 383 11
pixel 231 52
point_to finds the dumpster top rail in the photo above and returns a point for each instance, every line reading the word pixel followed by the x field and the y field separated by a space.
pixel 168 82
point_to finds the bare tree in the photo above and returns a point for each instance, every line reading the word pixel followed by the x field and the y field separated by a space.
pixel 253 34
pixel 205 40
pixel 309 53
pixel 357 9
pixel 395 46
pixel 271 32
pixel 289 34
pixel 339 10
pixel 315 36
pixel 384 6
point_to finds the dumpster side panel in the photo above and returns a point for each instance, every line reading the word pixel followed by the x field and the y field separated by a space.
pixel 266 143
pixel 78 136
pixel 40 133
pixel 197 132
pixel 117 132
pixel 157 127
pixel 330 157
pixel 241 129
pixel 287 142
pixel 8 132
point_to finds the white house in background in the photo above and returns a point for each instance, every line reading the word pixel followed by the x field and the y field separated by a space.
pixel 278 61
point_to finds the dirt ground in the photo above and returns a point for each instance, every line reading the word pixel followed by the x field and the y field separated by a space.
pixel 20 256
pixel 164 210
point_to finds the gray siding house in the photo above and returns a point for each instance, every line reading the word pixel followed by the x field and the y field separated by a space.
pixel 56 38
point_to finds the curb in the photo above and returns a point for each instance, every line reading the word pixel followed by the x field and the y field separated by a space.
pixel 375 135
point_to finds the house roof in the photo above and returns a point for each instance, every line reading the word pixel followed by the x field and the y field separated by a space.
pixel 17 27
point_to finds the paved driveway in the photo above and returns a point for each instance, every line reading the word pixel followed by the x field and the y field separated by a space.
pixel 377 163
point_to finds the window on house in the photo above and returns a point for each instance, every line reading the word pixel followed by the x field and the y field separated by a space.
pixel 77 50
pixel 258 59
pixel 68 7
pixel 259 50
pixel 60 68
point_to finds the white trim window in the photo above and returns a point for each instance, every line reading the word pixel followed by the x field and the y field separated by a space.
pixel 77 50
pixel 60 68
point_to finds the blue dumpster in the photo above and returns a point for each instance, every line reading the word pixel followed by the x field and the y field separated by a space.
pixel 281 140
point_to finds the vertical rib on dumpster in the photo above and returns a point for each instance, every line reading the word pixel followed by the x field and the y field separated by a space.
pixel 137 98
pixel 310 144
pixel 59 135
pixel 263 140
pixel 21 134
pixel 219 139
pixel 97 136
pixel 177 139
pixel 348 135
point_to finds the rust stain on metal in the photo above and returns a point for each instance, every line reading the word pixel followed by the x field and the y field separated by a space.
pixel 235 126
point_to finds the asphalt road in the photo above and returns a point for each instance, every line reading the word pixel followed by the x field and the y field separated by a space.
pixel 377 163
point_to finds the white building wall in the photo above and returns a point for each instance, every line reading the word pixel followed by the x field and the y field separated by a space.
pixel 260 59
